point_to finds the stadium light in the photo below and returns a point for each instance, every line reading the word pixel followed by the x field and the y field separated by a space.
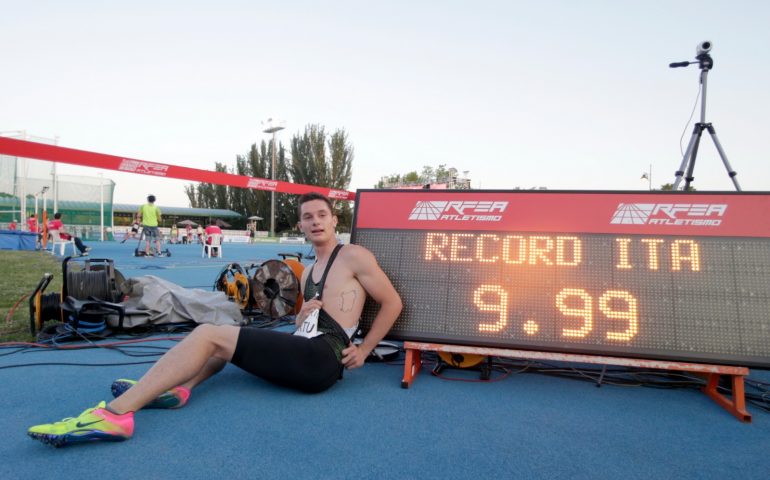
pixel 273 126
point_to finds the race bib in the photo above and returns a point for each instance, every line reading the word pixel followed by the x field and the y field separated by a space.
pixel 309 327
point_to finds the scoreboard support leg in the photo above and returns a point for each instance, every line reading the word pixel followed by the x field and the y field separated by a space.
pixel 412 366
pixel 735 405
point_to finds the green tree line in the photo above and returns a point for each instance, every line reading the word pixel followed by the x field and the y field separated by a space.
pixel 317 158
pixel 440 174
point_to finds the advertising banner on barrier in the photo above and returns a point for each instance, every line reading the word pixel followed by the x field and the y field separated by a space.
pixel 51 153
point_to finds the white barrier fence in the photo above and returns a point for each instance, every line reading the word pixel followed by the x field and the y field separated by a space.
pixel 228 236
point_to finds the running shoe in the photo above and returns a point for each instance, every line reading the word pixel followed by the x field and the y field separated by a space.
pixel 174 398
pixel 94 424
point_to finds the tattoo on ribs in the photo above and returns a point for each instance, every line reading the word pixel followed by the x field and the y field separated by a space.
pixel 347 300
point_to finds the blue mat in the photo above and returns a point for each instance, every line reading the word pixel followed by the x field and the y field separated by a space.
pixel 17 240
pixel 238 426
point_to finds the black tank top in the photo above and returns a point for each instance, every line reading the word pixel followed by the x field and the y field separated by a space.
pixel 333 333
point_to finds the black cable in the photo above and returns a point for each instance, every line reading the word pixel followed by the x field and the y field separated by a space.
pixel 697 97
pixel 67 364
pixel 18 350
pixel 83 284
pixel 50 307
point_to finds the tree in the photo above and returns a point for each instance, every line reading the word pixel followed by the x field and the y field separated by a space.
pixel 238 197
pixel 312 164
pixel 427 175
pixel 189 190
pixel 316 159
pixel 219 192
pixel 412 177
pixel 440 174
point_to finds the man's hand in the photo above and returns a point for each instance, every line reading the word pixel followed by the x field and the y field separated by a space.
pixel 307 307
pixel 354 356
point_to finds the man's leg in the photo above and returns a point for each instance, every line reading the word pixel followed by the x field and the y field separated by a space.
pixel 203 353
pixel 79 244
pixel 212 367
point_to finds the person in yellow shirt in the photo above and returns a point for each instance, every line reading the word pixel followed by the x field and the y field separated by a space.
pixel 150 216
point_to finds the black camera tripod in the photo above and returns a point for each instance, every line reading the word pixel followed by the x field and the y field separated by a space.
pixel 705 63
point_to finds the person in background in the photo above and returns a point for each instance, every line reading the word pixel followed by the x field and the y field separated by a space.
pixel 150 216
pixel 200 233
pixel 13 225
pixel 134 229
pixel 211 230
pixel 188 237
pixel 32 223
pixel 57 225
pixel 174 234
pixel 32 227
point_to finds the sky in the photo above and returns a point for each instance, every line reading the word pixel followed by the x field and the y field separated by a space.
pixel 528 94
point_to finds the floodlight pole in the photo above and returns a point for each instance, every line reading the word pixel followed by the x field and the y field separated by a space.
pixel 101 206
pixel 43 191
pixel 55 180
pixel 272 127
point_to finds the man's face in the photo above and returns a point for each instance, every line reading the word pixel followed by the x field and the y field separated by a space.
pixel 316 221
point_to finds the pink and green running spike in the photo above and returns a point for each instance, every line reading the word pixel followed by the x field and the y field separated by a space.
pixel 94 424
pixel 173 398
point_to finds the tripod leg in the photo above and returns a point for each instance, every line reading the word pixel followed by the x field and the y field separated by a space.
pixel 732 173
pixel 691 168
pixel 686 158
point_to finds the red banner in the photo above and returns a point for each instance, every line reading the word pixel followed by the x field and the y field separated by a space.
pixel 677 213
pixel 51 153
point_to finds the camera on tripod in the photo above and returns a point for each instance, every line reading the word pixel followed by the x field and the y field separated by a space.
pixel 705 63
pixel 703 47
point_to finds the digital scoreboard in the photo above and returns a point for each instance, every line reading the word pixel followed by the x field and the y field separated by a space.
pixel 677 276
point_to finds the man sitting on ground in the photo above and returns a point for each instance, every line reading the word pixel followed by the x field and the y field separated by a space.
pixel 310 360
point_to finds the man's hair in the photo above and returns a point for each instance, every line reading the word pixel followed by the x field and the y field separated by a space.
pixel 57 216
pixel 310 196
pixel 151 198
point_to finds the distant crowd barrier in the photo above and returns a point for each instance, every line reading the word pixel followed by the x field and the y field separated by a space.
pixel 228 236
pixel 292 240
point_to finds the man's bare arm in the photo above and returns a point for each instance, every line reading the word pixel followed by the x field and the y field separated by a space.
pixel 378 286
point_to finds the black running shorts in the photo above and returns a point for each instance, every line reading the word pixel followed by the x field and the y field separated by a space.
pixel 308 365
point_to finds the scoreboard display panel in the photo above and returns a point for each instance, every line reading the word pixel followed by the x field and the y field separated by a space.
pixel 677 276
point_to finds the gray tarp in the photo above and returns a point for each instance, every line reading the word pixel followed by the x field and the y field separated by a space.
pixel 153 300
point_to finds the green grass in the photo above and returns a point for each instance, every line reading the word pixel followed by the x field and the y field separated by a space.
pixel 20 273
